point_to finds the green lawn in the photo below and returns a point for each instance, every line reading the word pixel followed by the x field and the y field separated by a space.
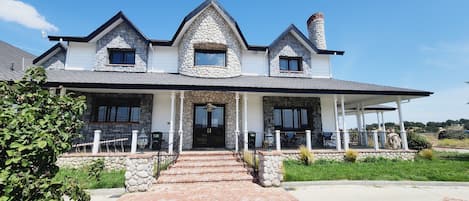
pixel 109 179
pixel 446 167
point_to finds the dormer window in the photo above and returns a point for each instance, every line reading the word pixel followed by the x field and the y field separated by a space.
pixel 210 57
pixel 121 56
pixel 290 63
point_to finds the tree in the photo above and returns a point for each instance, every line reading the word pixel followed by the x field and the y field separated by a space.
pixel 35 128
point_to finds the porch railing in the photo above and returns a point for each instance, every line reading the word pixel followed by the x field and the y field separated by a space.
pixel 163 159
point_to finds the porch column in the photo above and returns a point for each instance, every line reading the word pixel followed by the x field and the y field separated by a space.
pixel 308 139
pixel 364 134
pixel 245 120
pixel 383 134
pixel 237 122
pixel 63 90
pixel 380 130
pixel 337 132
pixel 384 123
pixel 375 140
pixel 344 129
pixel 96 140
pixel 181 112
pixel 359 123
pixel 401 123
pixel 171 124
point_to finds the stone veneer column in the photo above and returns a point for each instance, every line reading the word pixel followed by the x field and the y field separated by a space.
pixel 139 173
pixel 270 168
pixel 316 30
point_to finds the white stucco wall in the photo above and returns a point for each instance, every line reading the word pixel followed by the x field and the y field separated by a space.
pixel 327 113
pixel 161 113
pixel 80 56
pixel 255 117
pixel 163 59
pixel 255 63
pixel 320 66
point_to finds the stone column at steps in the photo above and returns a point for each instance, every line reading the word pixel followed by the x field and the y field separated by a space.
pixel 270 168
pixel 139 173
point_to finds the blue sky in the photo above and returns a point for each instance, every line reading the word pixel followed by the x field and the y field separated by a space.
pixel 420 44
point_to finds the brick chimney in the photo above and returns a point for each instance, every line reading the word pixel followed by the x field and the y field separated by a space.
pixel 316 30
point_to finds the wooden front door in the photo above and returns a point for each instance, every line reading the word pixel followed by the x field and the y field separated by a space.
pixel 209 126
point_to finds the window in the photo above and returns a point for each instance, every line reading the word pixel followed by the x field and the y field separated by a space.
pixel 121 56
pixel 290 63
pixel 117 110
pixel 291 118
pixel 210 57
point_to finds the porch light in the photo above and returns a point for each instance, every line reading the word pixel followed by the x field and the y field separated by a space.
pixel 142 140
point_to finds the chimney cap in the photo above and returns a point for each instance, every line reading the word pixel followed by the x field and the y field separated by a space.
pixel 318 15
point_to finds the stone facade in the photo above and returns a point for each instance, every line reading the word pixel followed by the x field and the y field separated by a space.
pixel 314 113
pixel 116 130
pixel 198 97
pixel 270 168
pixel 289 46
pixel 122 36
pixel 139 173
pixel 210 31
pixel 76 161
pixel 57 61
pixel 316 30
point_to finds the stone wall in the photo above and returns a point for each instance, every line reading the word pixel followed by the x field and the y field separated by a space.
pixel 210 29
pixel 122 36
pixel 116 130
pixel 139 173
pixel 270 168
pixel 289 46
pixel 314 113
pixel 76 161
pixel 57 61
pixel 339 155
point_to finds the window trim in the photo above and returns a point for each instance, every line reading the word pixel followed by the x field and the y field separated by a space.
pixel 208 52
pixel 301 128
pixel 110 53
pixel 109 103
pixel 289 58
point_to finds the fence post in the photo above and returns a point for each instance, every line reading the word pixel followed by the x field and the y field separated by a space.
pixel 308 139
pixel 375 139
pixel 96 139
pixel 133 148
pixel 277 139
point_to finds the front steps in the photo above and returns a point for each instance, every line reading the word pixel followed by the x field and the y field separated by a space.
pixel 204 167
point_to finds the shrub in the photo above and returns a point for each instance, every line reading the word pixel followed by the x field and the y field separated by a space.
pixel 248 157
pixel 95 169
pixel 351 156
pixel 35 128
pixel 426 154
pixel 306 156
pixel 163 166
pixel 452 134
pixel 418 142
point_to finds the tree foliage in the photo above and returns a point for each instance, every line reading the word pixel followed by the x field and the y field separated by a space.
pixel 35 128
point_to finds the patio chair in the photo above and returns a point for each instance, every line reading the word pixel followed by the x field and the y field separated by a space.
pixel 326 136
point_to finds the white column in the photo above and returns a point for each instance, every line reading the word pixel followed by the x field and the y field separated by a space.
pixel 171 123
pixel 277 139
pixel 338 146
pixel 384 122
pixel 245 120
pixel 401 123
pixel 383 134
pixel 181 116
pixel 365 134
pixel 237 122
pixel 96 139
pixel 359 124
pixel 346 139
pixel 308 139
pixel 154 117
pixel 379 123
pixel 63 90
pixel 375 139
pixel 133 146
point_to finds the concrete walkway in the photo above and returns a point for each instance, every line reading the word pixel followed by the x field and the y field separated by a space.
pixel 377 190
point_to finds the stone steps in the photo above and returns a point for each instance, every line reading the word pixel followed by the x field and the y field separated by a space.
pixel 205 158
pixel 201 164
pixel 205 170
pixel 204 177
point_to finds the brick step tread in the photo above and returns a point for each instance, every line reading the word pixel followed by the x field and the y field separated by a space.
pixel 206 158
pixel 205 170
pixel 211 177
pixel 207 153
pixel 187 164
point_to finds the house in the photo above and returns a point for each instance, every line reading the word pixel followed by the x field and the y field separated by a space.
pixel 207 87
pixel 13 58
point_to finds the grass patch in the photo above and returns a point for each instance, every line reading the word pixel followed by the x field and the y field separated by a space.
pixel 453 143
pixel 109 179
pixel 445 167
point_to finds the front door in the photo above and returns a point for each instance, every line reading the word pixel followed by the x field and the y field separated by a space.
pixel 209 126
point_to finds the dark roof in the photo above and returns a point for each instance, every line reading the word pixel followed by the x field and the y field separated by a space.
pixel 100 29
pixel 10 54
pixel 377 107
pixel 120 80
pixel 293 28
pixel 50 50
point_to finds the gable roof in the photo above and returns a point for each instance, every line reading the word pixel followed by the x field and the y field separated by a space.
pixel 102 29
pixel 302 38
pixel 10 54
pixel 50 52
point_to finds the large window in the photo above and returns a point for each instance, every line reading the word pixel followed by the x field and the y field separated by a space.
pixel 290 63
pixel 117 110
pixel 121 56
pixel 291 118
pixel 210 57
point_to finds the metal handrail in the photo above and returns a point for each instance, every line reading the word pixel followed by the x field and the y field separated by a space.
pixel 175 152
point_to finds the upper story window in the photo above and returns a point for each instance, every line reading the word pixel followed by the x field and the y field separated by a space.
pixel 121 56
pixel 210 57
pixel 289 119
pixel 123 110
pixel 290 63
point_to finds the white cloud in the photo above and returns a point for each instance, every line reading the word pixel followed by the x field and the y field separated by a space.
pixel 24 14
